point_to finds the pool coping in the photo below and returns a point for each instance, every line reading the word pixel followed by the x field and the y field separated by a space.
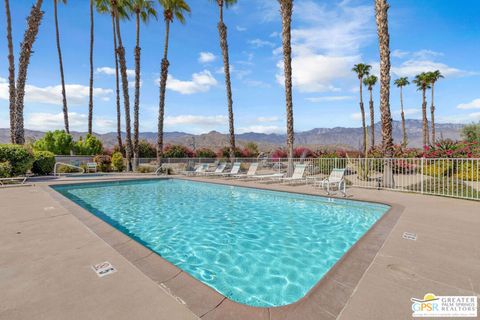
pixel 325 300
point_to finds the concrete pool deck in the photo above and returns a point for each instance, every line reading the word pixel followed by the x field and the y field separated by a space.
pixel 45 269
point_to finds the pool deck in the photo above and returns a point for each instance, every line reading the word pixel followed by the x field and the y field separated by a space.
pixel 48 244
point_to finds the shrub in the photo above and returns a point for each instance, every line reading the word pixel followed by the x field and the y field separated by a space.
pixel 471 133
pixel 5 169
pixel 145 169
pixel 177 151
pixel 224 152
pixel 58 142
pixel 278 154
pixel 468 170
pixel 20 159
pixel 206 153
pixel 117 162
pixel 88 147
pixel 44 162
pixel 103 162
pixel 251 149
pixel 302 152
pixel 146 149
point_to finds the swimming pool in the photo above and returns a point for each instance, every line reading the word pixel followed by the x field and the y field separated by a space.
pixel 256 247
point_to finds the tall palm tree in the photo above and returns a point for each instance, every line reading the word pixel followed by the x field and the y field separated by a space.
pixel 286 10
pixel 118 6
pixel 369 82
pixel 400 83
pixel 362 70
pixel 172 9
pixel 433 77
pixel 422 82
pixel 104 7
pixel 60 62
pixel 90 91
pixel 222 30
pixel 11 71
pixel 143 10
pixel 381 16
pixel 33 24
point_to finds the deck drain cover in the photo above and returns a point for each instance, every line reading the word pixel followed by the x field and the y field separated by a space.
pixel 409 236
pixel 104 269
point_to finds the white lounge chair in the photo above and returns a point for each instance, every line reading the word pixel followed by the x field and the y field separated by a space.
pixel 297 174
pixel 91 166
pixel 219 169
pixel 234 171
pixel 16 181
pixel 200 169
pixel 336 178
pixel 250 173
pixel 262 177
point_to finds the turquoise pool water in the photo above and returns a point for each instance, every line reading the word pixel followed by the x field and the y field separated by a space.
pixel 256 247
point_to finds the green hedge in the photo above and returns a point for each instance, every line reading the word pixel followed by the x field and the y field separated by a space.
pixel 19 160
pixel 44 162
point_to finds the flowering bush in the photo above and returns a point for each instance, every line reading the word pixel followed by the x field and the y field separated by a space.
pixel 452 149
pixel 205 153
pixel 278 154
pixel 225 152
pixel 103 162
pixel 177 151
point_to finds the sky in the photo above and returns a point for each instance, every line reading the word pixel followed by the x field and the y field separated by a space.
pixel 328 38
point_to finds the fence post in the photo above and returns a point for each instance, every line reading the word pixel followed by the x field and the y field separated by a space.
pixel 422 173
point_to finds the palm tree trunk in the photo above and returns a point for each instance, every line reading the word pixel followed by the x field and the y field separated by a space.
pixel 425 121
pixel 372 119
pixel 432 114
pixel 117 87
pixel 11 72
pixel 90 99
pixel 381 10
pixel 222 30
pixel 286 8
pixel 404 131
pixel 364 122
pixel 163 86
pixel 60 61
pixel 136 106
pixel 33 24
pixel 126 98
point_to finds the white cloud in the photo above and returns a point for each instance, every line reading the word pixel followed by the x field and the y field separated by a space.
pixel 399 53
pixel 202 121
pixel 460 118
pixel 474 104
pixel 261 129
pixel 111 71
pixel 329 98
pixel 412 67
pixel 259 43
pixel 76 94
pixel 257 83
pixel 357 116
pixel 240 29
pixel 267 119
pixel 328 44
pixel 201 82
pixel 78 122
pixel 206 57
pixel 3 80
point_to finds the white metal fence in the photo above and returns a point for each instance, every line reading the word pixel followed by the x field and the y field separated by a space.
pixel 451 177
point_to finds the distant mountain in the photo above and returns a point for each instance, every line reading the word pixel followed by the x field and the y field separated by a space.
pixel 339 136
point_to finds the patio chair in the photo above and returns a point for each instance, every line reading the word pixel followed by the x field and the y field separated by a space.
pixel 234 171
pixel 199 170
pixel 15 181
pixel 297 174
pixel 250 173
pixel 219 169
pixel 336 178
pixel 91 166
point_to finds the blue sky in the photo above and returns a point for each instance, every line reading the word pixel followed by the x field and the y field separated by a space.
pixel 328 38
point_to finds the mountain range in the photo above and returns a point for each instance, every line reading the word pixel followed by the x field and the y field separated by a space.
pixel 350 138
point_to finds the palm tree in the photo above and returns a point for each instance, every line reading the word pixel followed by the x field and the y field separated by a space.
pixel 381 15
pixel 286 10
pixel 423 83
pixel 118 6
pixel 433 78
pixel 222 30
pixel 60 61
pixel 172 9
pixel 362 70
pixel 11 71
pixel 90 98
pixel 33 24
pixel 104 7
pixel 143 10
pixel 400 83
pixel 369 82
